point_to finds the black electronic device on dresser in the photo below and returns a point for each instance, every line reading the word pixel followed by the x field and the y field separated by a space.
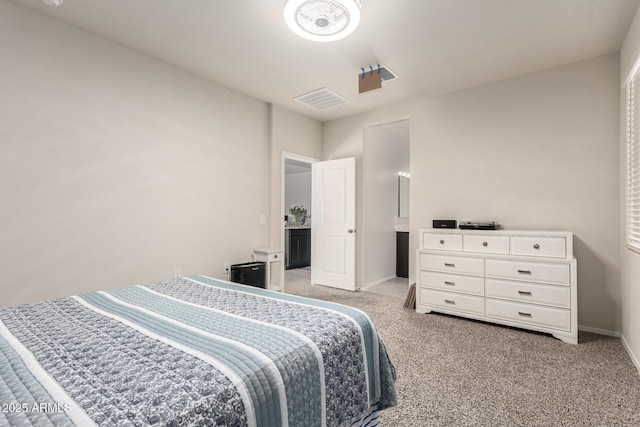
pixel 488 225
pixel 445 223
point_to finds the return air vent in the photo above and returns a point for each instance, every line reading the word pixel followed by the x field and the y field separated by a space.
pixel 386 74
pixel 321 99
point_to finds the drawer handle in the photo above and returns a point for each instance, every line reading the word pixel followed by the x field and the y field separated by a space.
pixel 255 268
pixel 441 241
pixel 524 314
pixel 485 244
pixel 536 246
pixel 524 271
pixel 448 301
pixel 448 264
pixel 524 293
pixel 449 283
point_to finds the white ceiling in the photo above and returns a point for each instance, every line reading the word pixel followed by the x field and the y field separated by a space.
pixel 435 46
pixel 292 167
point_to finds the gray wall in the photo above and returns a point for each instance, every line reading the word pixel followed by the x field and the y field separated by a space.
pixel 630 280
pixel 116 168
pixel 294 134
pixel 386 153
pixel 535 152
pixel 298 191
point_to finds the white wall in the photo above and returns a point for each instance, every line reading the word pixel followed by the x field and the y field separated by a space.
pixel 630 261
pixel 539 151
pixel 298 191
pixel 116 168
pixel 291 133
pixel 386 151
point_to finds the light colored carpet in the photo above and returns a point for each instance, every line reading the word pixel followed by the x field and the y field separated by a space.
pixel 454 372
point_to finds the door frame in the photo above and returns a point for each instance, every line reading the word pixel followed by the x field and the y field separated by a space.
pixel 286 155
pixel 363 235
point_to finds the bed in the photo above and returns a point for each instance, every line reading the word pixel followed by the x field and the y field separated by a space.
pixel 191 351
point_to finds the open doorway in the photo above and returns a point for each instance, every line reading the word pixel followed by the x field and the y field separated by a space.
pixel 296 215
pixel 385 207
pixel 319 214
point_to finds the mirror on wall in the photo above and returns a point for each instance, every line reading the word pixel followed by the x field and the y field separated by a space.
pixel 403 194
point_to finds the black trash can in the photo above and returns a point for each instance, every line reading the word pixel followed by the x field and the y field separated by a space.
pixel 250 273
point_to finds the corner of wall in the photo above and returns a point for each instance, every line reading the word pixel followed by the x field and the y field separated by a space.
pixel 634 358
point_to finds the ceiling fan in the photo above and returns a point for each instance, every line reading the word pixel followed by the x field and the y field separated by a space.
pixel 322 20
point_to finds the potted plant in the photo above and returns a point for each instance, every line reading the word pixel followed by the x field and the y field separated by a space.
pixel 300 213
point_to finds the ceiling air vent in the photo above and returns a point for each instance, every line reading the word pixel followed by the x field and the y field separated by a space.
pixel 386 74
pixel 321 99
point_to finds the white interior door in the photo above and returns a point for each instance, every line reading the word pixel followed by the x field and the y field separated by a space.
pixel 333 215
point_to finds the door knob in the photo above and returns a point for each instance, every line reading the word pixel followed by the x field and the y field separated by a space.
pixel 351 231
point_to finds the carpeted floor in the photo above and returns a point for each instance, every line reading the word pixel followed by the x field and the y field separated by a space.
pixel 453 371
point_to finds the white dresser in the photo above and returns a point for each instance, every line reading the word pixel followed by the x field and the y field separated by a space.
pixel 525 279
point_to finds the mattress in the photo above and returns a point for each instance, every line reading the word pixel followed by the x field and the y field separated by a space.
pixel 192 351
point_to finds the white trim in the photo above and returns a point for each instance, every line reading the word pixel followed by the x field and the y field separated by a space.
pixel 284 155
pixel 377 282
pixel 634 69
pixel 400 118
pixel 632 356
pixel 299 157
pixel 599 331
pixel 57 393
pixel 365 126
pixel 634 359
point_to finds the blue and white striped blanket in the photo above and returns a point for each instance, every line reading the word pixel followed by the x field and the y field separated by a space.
pixel 193 351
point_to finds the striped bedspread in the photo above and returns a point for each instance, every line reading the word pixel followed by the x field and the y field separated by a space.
pixel 192 351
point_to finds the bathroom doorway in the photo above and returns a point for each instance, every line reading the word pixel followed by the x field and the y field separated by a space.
pixel 385 206
pixel 296 210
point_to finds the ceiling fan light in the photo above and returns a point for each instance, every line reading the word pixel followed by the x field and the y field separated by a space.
pixel 322 20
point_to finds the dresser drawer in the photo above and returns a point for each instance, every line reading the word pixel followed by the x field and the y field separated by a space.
pixel 452 264
pixel 485 244
pixel 442 241
pixel 274 256
pixel 530 314
pixel 552 247
pixel 452 282
pixel 529 271
pixel 452 301
pixel 559 296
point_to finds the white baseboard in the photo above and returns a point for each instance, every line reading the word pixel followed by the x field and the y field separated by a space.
pixel 633 357
pixel 599 331
pixel 377 282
